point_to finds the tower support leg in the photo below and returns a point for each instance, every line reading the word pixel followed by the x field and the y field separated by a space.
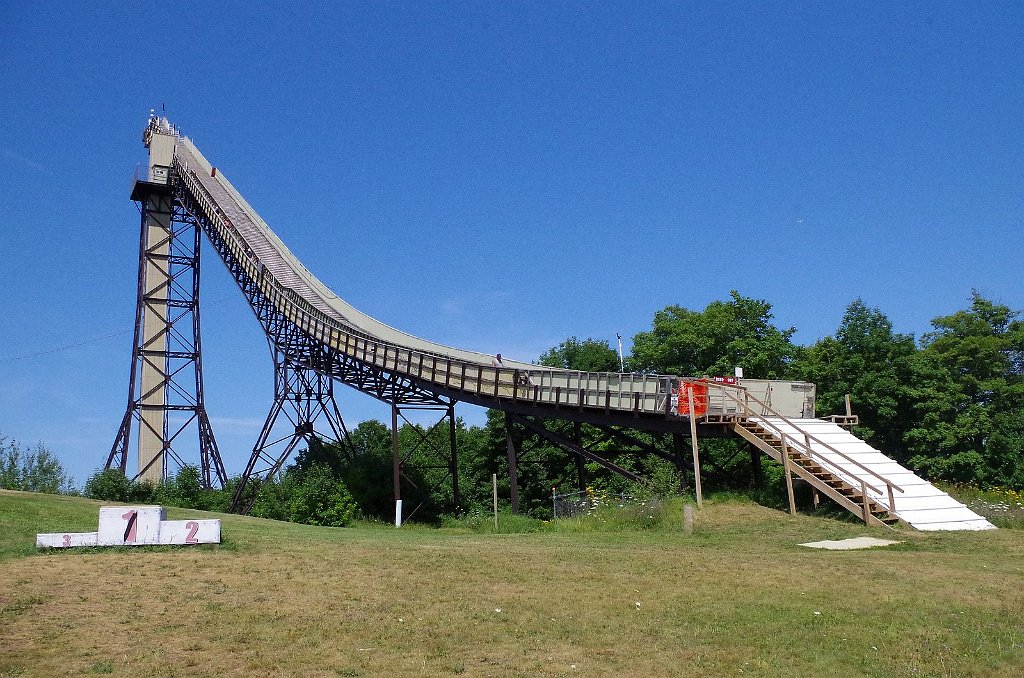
pixel 304 408
pixel 166 350
pixel 424 450
pixel 453 465
pixel 396 460
pixel 581 471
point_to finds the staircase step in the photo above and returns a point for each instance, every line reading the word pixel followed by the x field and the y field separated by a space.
pixel 840 464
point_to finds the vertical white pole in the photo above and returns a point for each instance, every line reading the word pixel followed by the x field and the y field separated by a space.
pixel 398 513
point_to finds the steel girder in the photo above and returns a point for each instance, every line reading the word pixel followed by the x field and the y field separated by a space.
pixel 300 361
pixel 302 397
pixel 296 350
pixel 177 351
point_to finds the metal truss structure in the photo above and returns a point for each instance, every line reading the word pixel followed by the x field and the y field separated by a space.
pixel 304 374
pixel 302 397
pixel 523 434
pixel 316 338
pixel 165 389
pixel 427 442
pixel 305 369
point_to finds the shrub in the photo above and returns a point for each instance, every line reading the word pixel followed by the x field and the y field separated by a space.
pixel 966 468
pixel 109 485
pixel 320 498
pixel 38 470
pixel 272 499
pixel 185 490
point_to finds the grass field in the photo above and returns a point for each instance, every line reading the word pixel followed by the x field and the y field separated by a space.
pixel 737 596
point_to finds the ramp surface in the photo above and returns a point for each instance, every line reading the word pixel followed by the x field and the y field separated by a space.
pixel 315 329
pixel 920 504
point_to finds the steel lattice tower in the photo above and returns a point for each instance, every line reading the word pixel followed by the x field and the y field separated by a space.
pixel 165 390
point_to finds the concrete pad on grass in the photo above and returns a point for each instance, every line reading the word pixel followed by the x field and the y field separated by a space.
pixel 850 544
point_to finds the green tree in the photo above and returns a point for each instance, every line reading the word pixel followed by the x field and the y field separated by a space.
pixel 968 391
pixel 317 451
pixel 366 469
pixel 869 361
pixel 739 332
pixel 726 334
pixel 34 470
pixel 589 355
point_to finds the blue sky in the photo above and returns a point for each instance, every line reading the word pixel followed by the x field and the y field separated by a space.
pixel 500 176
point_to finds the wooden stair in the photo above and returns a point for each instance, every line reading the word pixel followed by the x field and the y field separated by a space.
pixel 824 481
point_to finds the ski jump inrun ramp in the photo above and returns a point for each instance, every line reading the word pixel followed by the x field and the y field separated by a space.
pixel 316 329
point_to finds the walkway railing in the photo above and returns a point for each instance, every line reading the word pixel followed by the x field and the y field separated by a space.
pixel 634 393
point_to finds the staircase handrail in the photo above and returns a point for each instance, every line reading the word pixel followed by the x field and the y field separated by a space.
pixel 726 390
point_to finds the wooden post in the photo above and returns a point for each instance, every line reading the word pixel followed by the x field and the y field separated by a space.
pixel 864 500
pixel 789 477
pixel 849 409
pixel 815 497
pixel 494 485
pixel 696 453
pixel 892 499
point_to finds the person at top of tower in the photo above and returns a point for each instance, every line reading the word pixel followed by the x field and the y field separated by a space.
pixel 497 361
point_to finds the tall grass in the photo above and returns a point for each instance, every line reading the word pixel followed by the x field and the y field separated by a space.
pixel 1003 507
pixel 649 514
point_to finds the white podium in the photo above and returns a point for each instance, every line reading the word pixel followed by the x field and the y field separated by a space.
pixel 136 526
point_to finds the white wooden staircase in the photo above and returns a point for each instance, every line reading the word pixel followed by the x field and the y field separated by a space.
pixel 855 475
pixel 841 466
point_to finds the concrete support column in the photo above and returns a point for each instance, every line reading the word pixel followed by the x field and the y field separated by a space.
pixel 153 350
